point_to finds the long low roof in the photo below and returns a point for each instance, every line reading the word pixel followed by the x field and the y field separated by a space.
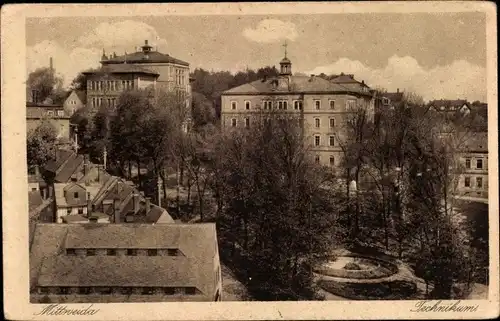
pixel 142 58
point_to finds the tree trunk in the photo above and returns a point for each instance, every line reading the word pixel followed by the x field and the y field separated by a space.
pixel 139 175
pixel 129 169
pixel 189 190
pixel 163 183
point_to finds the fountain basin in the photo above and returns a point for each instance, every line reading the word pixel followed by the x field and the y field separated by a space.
pixel 356 267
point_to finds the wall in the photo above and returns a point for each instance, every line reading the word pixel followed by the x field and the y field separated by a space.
pixel 309 114
pixel 72 103
pixel 473 173
pixel 60 124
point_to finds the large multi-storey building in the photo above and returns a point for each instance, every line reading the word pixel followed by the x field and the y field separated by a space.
pixel 146 68
pixel 321 105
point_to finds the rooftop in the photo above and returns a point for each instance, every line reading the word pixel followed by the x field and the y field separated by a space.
pixel 145 56
pixel 121 69
pixel 297 84
pixel 50 266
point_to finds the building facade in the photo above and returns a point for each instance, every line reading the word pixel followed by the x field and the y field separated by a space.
pixel 321 105
pixel 473 181
pixel 105 85
pixel 54 114
pixel 95 262
pixel 75 101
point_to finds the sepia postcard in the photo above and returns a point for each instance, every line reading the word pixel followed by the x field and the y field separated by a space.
pixel 250 161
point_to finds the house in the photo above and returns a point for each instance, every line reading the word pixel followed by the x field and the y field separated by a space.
pixel 71 198
pixel 77 263
pixel 450 107
pixel 473 155
pixel 87 190
pixel 173 73
pixel 320 105
pixel 76 100
pixel 54 114
pixel 145 68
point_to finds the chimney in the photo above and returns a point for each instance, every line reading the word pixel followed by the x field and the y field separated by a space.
pixel 51 65
pixel 116 210
pixel 44 193
pixel 37 171
pixel 148 204
pixel 397 90
pixel 89 205
pixel 136 201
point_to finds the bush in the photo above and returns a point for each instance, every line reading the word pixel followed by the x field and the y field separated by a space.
pixel 352 266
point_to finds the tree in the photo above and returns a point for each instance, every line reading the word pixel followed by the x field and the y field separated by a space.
pixel 45 83
pixel 80 81
pixel 202 111
pixel 40 144
pixel 272 190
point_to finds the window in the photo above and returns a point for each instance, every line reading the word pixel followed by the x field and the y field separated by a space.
pixel 43 290
pixel 467 182
pixel 316 159
pixel 33 189
pixel 111 252
pixel 68 211
pixel 479 182
pixel 50 113
pixel 148 291
pixel 131 252
pixel 233 122
pixel 316 140
pixel 351 104
pixel 70 252
pixel 152 252
pixel 91 252
pixel 126 291
pixel 332 104
pixel 332 122
pixel 332 160
pixel 105 290
pixel 60 113
pixel 285 105
pixel 317 104
pixel 75 194
pixel 247 122
pixel 233 105
pixel 332 140
pixel 80 211
pixel 467 163
pixel 84 290
pixel 93 102
pixel 297 105
pixel 317 123
pixel 247 105
pixel 190 290
pixel 280 105
pixel 169 291
pixel 172 252
pixel 63 290
pixel 479 164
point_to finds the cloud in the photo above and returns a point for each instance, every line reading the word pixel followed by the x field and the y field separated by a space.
pixel 87 50
pixel 271 30
pixel 460 79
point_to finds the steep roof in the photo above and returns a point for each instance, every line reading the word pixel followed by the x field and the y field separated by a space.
pixel 448 105
pixel 303 84
pixel 141 58
pixel 50 266
pixel 55 164
pixel 121 69
pixel 476 142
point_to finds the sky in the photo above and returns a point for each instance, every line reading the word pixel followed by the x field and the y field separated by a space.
pixel 436 55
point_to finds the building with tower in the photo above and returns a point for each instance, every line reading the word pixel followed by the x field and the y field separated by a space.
pixel 144 69
pixel 321 106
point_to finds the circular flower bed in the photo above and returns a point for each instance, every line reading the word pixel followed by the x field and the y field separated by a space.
pixel 357 267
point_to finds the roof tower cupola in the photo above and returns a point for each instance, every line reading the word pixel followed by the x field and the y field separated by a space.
pixel 146 48
pixel 285 63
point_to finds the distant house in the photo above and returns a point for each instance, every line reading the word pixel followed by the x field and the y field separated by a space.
pixel 70 199
pixel 450 106
pixel 474 158
pixel 124 263
pixel 69 173
pixel 75 100
pixel 55 114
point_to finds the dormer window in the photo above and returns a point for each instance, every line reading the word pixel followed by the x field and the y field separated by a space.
pixel 385 101
pixel 75 194
pixel 172 252
pixel 70 252
pixel 50 113
pixel 152 252
pixel 131 252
